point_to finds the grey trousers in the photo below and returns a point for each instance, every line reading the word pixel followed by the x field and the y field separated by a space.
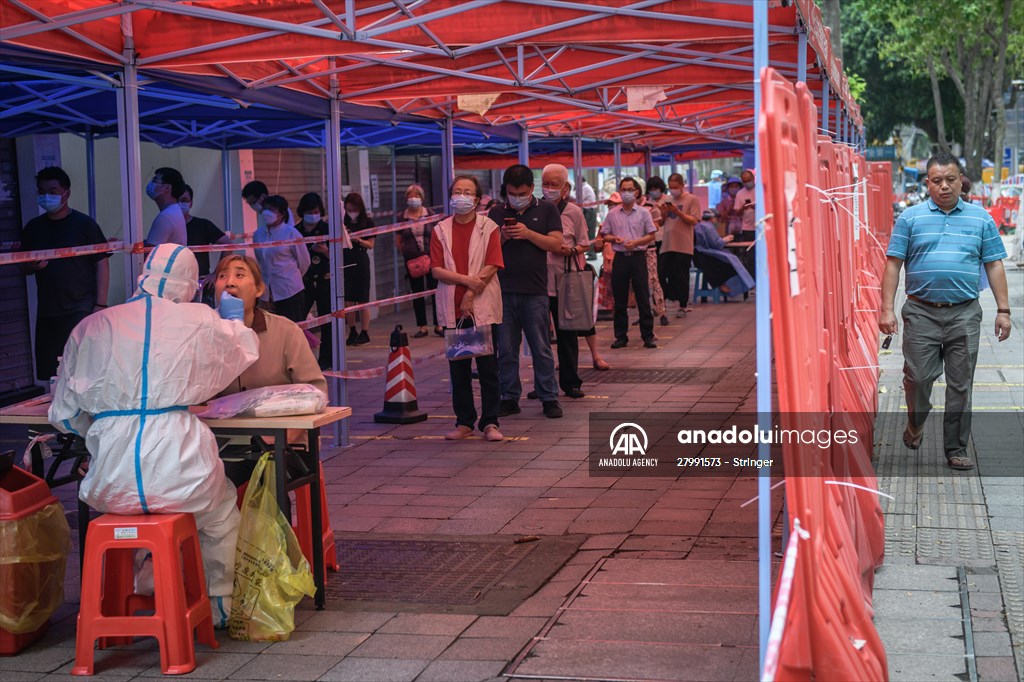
pixel 937 341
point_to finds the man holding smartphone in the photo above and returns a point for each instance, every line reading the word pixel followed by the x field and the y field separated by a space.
pixel 529 230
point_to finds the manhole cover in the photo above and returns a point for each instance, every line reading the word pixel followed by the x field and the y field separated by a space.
pixel 708 375
pixel 489 576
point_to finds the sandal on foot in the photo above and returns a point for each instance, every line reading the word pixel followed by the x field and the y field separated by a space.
pixel 960 463
pixel 459 433
pixel 912 440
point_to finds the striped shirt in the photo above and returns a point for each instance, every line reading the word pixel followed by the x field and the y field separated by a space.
pixel 944 252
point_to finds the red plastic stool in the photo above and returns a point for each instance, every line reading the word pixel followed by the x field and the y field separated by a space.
pixel 180 604
pixel 303 526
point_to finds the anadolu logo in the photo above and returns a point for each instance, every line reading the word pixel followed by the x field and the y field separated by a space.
pixel 629 440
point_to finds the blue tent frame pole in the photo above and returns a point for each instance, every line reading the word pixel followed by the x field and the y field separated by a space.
pixel 577 165
pixel 764 350
pixel 825 96
pixel 617 154
pixel 90 170
pixel 524 147
pixel 132 181
pixel 448 160
pixel 332 146
pixel 225 179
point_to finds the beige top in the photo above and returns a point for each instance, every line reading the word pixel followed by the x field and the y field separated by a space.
pixel 285 357
pixel 678 237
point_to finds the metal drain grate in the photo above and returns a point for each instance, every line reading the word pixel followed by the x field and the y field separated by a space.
pixel 701 375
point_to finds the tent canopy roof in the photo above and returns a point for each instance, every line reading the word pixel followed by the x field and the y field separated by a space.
pixel 556 67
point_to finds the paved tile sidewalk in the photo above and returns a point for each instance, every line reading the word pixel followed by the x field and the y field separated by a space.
pixel 950 599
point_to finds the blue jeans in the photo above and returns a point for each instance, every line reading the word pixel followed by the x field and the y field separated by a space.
pixel 525 314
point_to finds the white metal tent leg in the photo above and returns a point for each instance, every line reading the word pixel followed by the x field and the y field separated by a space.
pixel 130 163
pixel 332 146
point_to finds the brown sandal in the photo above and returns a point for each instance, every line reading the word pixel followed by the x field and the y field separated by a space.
pixel 912 440
pixel 960 463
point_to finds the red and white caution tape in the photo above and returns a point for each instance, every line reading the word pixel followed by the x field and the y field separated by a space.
pixel 377 371
pixel 771 656
pixel 324 319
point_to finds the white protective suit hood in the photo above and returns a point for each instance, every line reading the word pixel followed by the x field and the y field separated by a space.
pixel 170 272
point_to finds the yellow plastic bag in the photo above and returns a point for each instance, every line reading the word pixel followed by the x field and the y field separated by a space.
pixel 33 557
pixel 271 575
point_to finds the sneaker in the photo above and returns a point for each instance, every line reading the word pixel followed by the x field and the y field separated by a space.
pixel 459 433
pixel 649 343
pixel 552 410
pixel 664 321
pixel 492 434
pixel 362 339
pixel 575 393
pixel 619 343
pixel 532 395
pixel 681 313
pixel 508 407
pixel 352 336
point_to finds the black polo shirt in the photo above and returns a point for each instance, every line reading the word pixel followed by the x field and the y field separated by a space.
pixel 526 265
pixel 200 233
pixel 65 285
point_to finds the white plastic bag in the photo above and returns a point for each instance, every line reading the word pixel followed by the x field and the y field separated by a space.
pixel 270 401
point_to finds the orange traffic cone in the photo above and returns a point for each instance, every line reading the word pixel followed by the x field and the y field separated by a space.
pixel 400 390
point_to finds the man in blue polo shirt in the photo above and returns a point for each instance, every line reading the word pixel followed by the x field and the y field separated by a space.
pixel 945 242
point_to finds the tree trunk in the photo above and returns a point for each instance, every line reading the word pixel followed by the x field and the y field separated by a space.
pixel 940 120
pixel 831 12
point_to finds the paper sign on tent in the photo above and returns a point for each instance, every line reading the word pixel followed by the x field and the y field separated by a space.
pixel 478 104
pixel 643 97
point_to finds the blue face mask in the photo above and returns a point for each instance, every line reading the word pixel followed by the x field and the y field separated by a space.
pixel 151 190
pixel 49 202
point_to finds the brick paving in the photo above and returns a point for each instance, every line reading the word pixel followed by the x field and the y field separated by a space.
pixel 404 480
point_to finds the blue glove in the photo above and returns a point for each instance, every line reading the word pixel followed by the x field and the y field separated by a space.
pixel 231 308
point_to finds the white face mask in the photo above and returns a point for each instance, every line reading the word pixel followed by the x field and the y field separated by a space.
pixel 269 216
pixel 352 215
pixel 185 206
pixel 414 202
pixel 552 195
pixel 463 204
pixel 748 185
pixel 676 193
pixel 311 218
pixel 628 197
pixel 520 203
pixel 655 194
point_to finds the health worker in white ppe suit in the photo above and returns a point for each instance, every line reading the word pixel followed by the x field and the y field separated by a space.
pixel 127 378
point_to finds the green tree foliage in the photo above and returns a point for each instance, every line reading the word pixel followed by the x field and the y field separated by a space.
pixel 965 42
pixel 894 91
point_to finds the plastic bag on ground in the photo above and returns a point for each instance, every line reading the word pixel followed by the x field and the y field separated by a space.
pixel 33 557
pixel 271 574
pixel 270 401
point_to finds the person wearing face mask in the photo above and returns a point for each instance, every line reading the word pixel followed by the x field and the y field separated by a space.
pixel 67 289
pixel 200 231
pixel 414 242
pixel 253 195
pixel 653 202
pixel 168 227
pixel 529 230
pixel 744 205
pixel 682 211
pixel 729 218
pixel 465 257
pixel 317 280
pixel 629 228
pixel 283 266
pixel 357 269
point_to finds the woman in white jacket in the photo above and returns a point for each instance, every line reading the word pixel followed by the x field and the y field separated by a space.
pixel 128 376
pixel 465 257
